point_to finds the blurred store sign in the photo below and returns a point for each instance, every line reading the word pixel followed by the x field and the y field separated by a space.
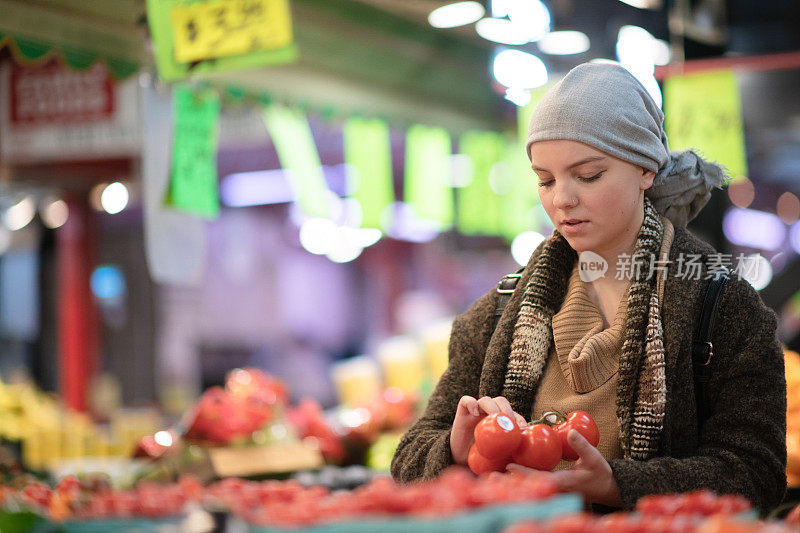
pixel 52 93
pixel 704 113
pixel 207 36
pixel 51 112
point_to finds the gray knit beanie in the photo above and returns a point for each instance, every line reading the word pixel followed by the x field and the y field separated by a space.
pixel 605 106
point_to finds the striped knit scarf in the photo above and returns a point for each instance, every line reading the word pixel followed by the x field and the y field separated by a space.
pixel 641 392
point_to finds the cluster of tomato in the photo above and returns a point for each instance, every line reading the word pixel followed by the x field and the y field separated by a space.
pixel 73 499
pixel 693 512
pixel 279 503
pixel 541 445
pixel 699 502
pixel 288 504
pixel 634 523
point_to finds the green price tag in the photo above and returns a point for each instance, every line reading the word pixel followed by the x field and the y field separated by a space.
pixel 193 185
pixel 203 36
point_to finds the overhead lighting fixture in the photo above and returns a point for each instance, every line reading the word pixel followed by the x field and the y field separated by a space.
pixel 518 97
pixel 530 14
pixel 662 54
pixel 407 227
pixel 564 43
pixel 20 214
pixel 114 198
pixel 523 246
pixel 502 31
pixel 756 229
pixel 643 4
pixel 54 213
pixel 519 70
pixel 794 237
pixel 635 48
pixel 264 187
pixel 317 235
pixel 454 15
pixel 756 269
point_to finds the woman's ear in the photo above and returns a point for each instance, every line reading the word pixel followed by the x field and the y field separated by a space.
pixel 647 179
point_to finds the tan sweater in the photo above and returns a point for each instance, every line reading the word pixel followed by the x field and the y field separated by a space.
pixel 582 369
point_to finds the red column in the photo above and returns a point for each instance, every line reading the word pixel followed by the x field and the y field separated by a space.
pixel 77 313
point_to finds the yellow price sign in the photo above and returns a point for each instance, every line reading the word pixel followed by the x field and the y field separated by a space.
pixel 220 28
pixel 703 111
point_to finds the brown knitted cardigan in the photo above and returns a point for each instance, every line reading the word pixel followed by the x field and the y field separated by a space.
pixel 740 449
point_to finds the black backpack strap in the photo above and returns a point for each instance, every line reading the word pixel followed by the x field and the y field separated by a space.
pixel 504 291
pixel 702 347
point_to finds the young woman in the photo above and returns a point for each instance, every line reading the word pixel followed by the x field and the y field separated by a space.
pixel 617 343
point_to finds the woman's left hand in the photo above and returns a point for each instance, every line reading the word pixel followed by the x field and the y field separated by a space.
pixel 590 475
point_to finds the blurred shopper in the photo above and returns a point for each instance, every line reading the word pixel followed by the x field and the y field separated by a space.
pixel 575 336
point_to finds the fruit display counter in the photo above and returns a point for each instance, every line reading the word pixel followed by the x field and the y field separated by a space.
pixel 455 501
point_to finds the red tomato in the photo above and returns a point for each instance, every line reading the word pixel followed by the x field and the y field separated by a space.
pixel 584 424
pixel 540 448
pixel 497 436
pixel 483 465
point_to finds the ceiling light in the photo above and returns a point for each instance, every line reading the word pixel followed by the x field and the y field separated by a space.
pixel 564 43
pixel 523 246
pixel 532 15
pixel 519 70
pixel 54 213
pixel 662 54
pixel 756 229
pixel 756 270
pixel 114 198
pixel 458 14
pixel 20 214
pixel 502 31
pixel 643 4
pixel 519 97
pixel 317 235
pixel 635 48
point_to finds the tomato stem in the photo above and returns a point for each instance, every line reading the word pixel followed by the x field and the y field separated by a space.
pixel 548 417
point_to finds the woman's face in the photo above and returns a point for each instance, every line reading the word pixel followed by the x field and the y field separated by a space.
pixel 594 200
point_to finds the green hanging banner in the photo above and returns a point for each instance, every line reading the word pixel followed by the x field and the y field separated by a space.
pixel 298 154
pixel 192 36
pixel 428 176
pixel 703 112
pixel 519 204
pixel 479 202
pixel 193 185
pixel 368 154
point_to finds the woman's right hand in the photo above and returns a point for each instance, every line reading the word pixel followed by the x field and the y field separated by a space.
pixel 468 413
